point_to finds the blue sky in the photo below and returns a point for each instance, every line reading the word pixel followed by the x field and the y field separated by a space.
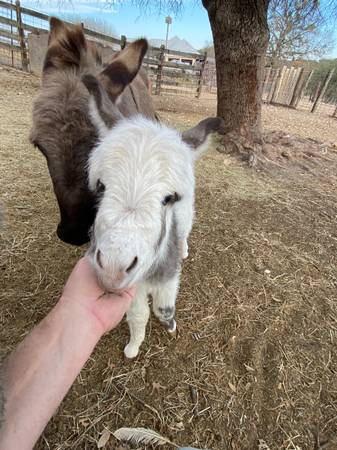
pixel 191 24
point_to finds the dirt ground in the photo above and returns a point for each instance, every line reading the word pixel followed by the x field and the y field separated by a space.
pixel 184 111
pixel 257 309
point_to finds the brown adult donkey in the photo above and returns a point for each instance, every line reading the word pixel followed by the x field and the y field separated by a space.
pixel 65 129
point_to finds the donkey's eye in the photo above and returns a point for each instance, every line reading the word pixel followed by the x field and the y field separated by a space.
pixel 100 187
pixel 170 199
pixel 167 199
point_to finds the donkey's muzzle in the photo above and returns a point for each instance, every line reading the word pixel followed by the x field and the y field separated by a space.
pixel 72 235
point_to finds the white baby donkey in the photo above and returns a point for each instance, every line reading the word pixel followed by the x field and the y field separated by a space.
pixel 145 173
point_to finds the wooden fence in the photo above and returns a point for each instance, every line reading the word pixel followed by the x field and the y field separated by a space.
pixel 283 86
pixel 166 70
pixel 288 86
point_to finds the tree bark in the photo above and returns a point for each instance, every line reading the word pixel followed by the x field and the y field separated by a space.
pixel 240 33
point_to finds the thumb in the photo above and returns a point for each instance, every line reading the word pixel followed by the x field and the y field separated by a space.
pixel 112 307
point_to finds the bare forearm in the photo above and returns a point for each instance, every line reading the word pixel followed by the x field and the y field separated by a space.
pixel 39 373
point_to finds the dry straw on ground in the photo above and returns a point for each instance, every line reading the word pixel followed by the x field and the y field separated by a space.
pixel 255 361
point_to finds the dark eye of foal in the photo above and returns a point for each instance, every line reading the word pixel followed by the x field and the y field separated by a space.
pixel 100 188
pixel 170 199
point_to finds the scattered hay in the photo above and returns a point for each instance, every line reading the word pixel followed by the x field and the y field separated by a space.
pixel 257 311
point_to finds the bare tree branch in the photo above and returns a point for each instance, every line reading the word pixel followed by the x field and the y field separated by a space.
pixel 297 29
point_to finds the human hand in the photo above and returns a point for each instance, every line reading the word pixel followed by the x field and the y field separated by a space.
pixel 82 292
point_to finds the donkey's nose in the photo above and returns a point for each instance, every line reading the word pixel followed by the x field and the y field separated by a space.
pixel 73 235
pixel 132 265
pixel 99 258
pixel 120 274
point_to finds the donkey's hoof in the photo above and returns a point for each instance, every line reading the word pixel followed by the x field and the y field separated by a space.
pixel 173 334
pixel 172 328
pixel 131 351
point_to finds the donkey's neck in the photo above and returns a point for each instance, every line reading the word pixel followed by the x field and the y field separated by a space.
pixel 136 100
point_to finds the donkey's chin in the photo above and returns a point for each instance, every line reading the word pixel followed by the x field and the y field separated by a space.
pixel 113 287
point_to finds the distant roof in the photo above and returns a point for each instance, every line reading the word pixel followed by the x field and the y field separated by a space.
pixel 175 43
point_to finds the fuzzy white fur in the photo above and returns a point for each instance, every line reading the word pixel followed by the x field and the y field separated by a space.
pixel 140 162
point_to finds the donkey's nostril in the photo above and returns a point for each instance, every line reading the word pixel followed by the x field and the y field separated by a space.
pixel 132 265
pixel 98 258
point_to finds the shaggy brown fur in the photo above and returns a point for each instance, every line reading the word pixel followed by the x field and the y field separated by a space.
pixel 62 128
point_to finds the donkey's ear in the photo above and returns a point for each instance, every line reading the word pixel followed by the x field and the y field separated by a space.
pixel 57 28
pixel 123 68
pixel 196 137
pixel 67 46
pixel 104 114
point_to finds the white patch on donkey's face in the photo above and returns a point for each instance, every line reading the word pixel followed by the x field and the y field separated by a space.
pixel 141 164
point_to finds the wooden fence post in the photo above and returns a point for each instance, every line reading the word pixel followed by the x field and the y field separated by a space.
pixel 200 80
pixel 322 91
pixel 297 89
pixel 278 84
pixel 273 85
pixel 123 42
pixel 295 76
pixel 21 32
pixel 313 96
pixel 282 94
pixel 266 77
pixel 307 82
pixel 160 69
pixel 12 52
pixel 300 88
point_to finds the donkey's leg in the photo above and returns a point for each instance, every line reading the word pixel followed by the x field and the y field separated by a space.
pixel 184 248
pixel 164 299
pixel 137 317
pixel 184 215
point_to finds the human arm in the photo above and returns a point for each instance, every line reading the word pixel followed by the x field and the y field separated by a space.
pixel 38 374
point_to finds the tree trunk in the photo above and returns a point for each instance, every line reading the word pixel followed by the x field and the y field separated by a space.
pixel 240 34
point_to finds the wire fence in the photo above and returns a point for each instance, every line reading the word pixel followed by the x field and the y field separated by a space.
pixel 10 53
pixel 316 96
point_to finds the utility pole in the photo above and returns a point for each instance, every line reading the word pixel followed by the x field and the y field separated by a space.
pixel 168 21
